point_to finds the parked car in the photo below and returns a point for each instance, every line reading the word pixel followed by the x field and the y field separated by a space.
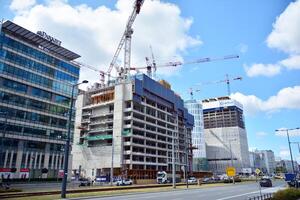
pixel 230 179
pixel 84 182
pixel 123 182
pixel 265 182
pixel 192 180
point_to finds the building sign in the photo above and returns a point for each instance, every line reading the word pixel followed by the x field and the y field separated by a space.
pixel 222 103
pixel 49 38
pixel 61 173
pixel 24 173
pixel 102 179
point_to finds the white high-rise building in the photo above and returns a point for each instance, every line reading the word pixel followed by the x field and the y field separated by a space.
pixel 199 153
pixel 225 134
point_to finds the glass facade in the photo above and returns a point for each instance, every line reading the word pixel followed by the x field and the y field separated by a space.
pixel 195 108
pixel 35 94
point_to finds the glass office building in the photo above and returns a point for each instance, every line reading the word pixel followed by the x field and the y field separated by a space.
pixel 36 77
pixel 199 153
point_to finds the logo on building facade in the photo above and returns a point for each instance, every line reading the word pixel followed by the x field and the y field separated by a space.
pixel 49 38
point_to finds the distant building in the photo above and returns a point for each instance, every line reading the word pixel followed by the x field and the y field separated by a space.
pixel 287 165
pixel 263 160
pixel 134 122
pixel 224 132
pixel 199 154
pixel 36 77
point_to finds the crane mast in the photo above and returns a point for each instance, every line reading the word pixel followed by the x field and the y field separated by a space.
pixel 126 40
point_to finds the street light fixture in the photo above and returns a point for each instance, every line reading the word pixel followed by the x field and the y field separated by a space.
pixel 288 136
pixel 66 163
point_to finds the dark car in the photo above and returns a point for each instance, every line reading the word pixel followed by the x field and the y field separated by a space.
pixel 265 182
pixel 84 182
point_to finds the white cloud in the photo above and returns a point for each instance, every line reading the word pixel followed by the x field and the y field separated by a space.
pixel 94 33
pixel 285 35
pixel 286 98
pixel 268 70
pixel 293 62
pixel 21 5
pixel 284 153
pixel 261 134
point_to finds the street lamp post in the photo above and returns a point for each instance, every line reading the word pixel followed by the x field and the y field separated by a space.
pixel 112 163
pixel 288 136
pixel 173 162
pixel 66 156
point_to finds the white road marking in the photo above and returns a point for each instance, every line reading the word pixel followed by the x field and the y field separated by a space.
pixel 269 190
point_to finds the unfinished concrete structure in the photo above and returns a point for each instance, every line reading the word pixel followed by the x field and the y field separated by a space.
pixel 225 134
pixel 138 118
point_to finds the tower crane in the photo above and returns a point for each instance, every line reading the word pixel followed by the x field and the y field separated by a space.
pixel 191 91
pixel 179 63
pixel 227 80
pixel 125 40
pixel 102 74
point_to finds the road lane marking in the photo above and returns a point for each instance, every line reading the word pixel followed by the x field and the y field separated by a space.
pixel 239 195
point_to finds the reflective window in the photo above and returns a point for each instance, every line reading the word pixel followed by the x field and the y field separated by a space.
pixel 32 104
pixel 35 79
pixel 33 117
pixel 19 87
pixel 24 49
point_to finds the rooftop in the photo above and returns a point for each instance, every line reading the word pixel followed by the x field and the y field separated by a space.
pixel 38 40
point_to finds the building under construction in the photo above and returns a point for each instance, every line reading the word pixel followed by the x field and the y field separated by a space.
pixel 133 124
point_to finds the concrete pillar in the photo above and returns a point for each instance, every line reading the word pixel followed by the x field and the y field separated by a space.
pixel 58 161
pixel 53 159
pixel 19 157
pixel 61 162
pixel 46 159
pixel 26 159
pixel 30 160
pixel 47 154
pixel 11 158
pixel 5 158
pixel 35 160
pixel 40 161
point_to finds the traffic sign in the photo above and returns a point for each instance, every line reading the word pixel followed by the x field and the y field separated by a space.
pixel 230 171
pixel 257 171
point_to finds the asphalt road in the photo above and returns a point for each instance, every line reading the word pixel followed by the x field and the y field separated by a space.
pixel 230 192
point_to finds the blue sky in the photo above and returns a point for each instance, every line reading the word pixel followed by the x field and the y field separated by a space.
pixel 202 28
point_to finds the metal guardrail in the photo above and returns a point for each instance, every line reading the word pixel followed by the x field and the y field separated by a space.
pixel 267 196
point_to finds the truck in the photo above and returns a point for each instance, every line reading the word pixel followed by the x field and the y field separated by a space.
pixel 164 177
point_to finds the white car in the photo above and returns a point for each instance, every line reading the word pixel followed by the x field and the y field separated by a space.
pixel 192 180
pixel 123 182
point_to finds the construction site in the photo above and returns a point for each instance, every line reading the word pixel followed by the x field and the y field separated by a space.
pixel 133 125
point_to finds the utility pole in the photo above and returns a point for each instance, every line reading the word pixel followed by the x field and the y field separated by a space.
pixel 186 157
pixel 173 161
pixel 67 145
pixel 288 137
pixel 112 163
